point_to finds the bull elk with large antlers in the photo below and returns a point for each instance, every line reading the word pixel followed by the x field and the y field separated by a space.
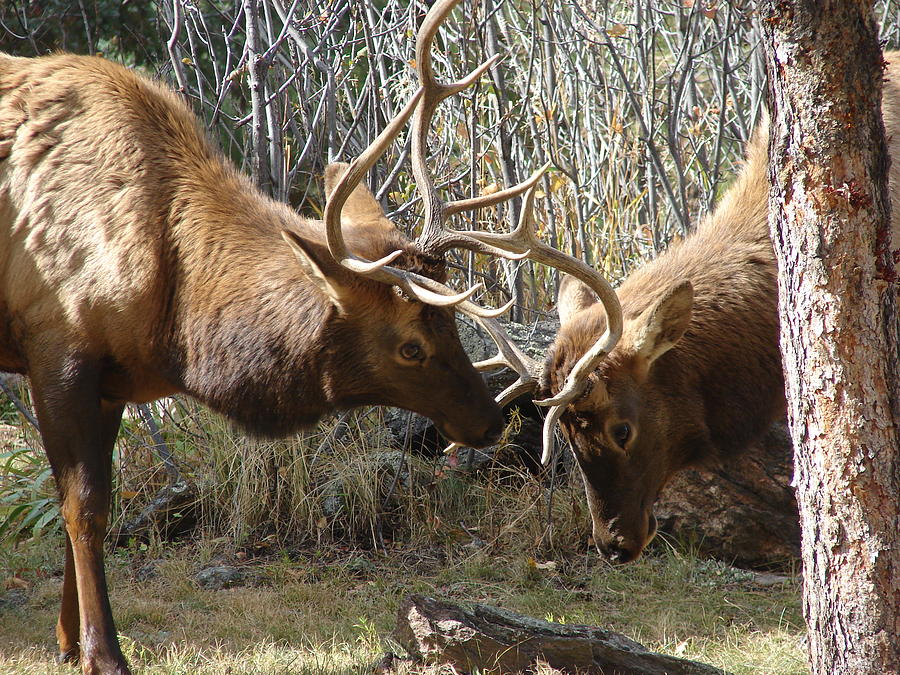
pixel 697 372
pixel 136 263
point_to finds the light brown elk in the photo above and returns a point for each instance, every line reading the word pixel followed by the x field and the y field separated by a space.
pixel 135 262
pixel 697 373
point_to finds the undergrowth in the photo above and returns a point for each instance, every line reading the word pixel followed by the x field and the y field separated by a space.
pixel 333 528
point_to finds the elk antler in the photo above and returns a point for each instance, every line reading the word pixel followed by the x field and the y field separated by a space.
pixel 524 240
pixel 436 238
pixel 424 103
pixel 434 293
pixel 521 243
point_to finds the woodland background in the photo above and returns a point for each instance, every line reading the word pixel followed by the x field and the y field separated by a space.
pixel 641 107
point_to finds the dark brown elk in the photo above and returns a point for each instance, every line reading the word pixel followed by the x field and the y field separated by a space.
pixel 697 372
pixel 135 262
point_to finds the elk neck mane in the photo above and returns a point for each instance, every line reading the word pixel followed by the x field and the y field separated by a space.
pixel 727 365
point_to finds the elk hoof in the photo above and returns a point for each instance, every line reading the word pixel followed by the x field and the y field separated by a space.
pixel 106 667
pixel 71 656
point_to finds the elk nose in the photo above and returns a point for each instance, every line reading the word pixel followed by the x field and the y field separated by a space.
pixel 617 553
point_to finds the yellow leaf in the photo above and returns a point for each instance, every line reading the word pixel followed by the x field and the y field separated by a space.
pixel 615 125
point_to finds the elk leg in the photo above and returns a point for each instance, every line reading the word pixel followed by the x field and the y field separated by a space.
pixel 68 625
pixel 78 430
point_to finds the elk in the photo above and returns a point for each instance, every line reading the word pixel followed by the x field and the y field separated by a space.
pixel 136 262
pixel 697 373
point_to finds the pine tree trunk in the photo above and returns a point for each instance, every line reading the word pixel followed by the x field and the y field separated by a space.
pixel 839 324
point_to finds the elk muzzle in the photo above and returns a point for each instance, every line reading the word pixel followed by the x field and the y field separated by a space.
pixel 622 518
pixel 624 545
pixel 486 430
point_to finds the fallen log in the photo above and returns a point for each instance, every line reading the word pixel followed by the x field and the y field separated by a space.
pixel 490 639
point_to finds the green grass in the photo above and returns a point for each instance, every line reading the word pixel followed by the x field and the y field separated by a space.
pixel 332 610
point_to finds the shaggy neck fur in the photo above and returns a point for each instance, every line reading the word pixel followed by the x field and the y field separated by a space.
pixel 729 354
pixel 248 333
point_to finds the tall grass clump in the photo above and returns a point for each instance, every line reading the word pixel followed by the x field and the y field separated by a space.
pixel 347 481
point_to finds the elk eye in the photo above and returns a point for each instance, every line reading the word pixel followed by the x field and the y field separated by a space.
pixel 621 433
pixel 412 352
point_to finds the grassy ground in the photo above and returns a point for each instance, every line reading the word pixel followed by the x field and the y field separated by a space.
pixel 332 610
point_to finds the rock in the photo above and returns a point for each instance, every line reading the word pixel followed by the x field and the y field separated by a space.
pixel 360 567
pixel 146 572
pixel 743 510
pixel 389 464
pixel 768 580
pixel 171 513
pixel 490 639
pixel 17 597
pixel 220 576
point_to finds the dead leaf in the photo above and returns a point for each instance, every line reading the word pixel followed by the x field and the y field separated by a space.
pixel 17 582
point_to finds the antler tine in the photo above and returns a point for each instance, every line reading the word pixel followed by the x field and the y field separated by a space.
pixel 435 237
pixel 524 239
pixel 511 356
pixel 348 182
pixel 424 289
pixel 498 197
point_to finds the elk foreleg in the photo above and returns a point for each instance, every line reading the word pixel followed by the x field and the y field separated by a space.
pixel 78 430
pixel 68 626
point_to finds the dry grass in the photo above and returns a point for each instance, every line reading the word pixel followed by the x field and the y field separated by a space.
pixel 331 543
pixel 332 609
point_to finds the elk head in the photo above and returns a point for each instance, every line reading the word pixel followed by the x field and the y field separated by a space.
pixel 622 423
pixel 437 238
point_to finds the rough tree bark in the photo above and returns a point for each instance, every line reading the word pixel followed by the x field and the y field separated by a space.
pixel 830 228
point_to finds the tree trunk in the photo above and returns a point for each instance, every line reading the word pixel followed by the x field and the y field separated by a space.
pixel 839 328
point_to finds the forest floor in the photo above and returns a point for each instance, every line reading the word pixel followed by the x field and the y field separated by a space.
pixel 332 609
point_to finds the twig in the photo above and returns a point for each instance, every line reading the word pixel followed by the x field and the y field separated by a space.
pixel 17 402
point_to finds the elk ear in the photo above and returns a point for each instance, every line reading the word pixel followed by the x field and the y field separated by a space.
pixel 574 295
pixel 327 274
pixel 664 323
pixel 361 205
